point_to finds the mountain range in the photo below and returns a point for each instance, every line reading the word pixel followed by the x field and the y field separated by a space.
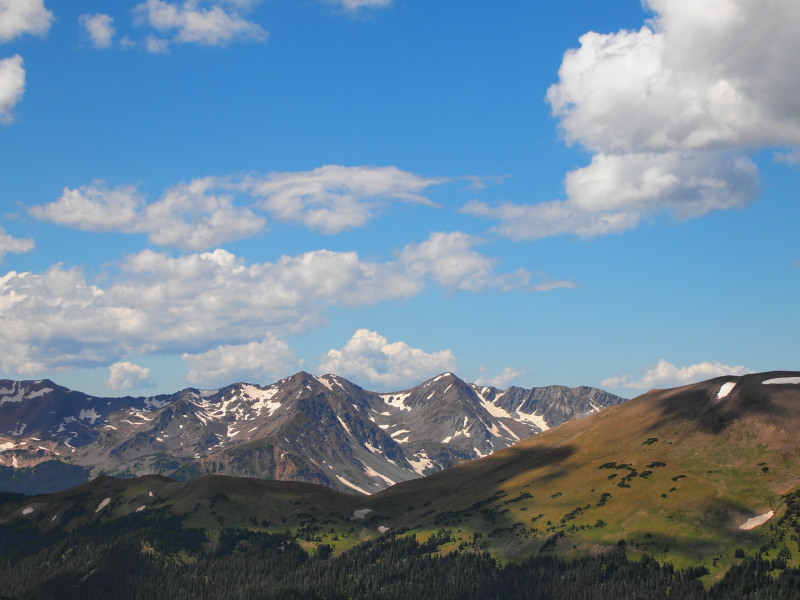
pixel 705 477
pixel 324 430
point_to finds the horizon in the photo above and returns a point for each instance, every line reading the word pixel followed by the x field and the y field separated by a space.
pixel 203 192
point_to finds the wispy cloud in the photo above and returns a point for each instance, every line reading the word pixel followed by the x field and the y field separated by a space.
pixel 196 22
pixel 209 211
pixel 500 381
pixel 12 86
pixel 359 6
pixel 14 245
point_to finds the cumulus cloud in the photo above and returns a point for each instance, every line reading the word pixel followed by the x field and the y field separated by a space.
pixel 210 211
pixel 98 29
pixel 500 381
pixel 451 260
pixel 193 303
pixel 127 376
pixel 370 356
pixel 197 22
pixel 12 86
pixel 665 374
pixel 252 362
pixel 18 17
pixel 333 198
pixel 671 113
pixel 8 243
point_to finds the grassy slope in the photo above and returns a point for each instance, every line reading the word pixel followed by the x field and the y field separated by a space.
pixel 724 462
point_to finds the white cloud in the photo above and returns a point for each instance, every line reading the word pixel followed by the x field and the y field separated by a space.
pixel 617 192
pixel 12 86
pixel 500 381
pixel 252 362
pixel 126 376
pixel 203 213
pixel 450 260
pixel 190 216
pixel 665 374
pixel 98 29
pixel 697 76
pixel 191 304
pixel 671 113
pixel 333 198
pixel 197 22
pixel 14 245
pixel 356 6
pixel 368 355
pixel 94 208
pixel 18 17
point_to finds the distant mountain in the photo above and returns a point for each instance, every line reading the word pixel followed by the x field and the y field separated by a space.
pixel 323 430
pixel 703 476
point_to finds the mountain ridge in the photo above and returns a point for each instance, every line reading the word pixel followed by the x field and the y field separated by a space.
pixel 319 429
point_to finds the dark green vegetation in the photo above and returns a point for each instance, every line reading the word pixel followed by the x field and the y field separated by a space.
pixel 666 496
pixel 151 555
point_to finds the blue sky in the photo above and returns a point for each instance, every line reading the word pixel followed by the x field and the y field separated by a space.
pixel 197 192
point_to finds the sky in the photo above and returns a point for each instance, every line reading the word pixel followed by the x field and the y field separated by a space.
pixel 584 192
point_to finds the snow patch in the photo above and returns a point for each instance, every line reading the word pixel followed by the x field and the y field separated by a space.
pixel 396 400
pixel 361 513
pixel 141 508
pixel 726 389
pixel 781 380
pixel 493 409
pixel 102 505
pixel 153 404
pixel 352 485
pixel 346 428
pixel 421 463
pixel 20 429
pixel 383 529
pixel 325 382
pixel 374 473
pixel 90 415
pixel 263 398
pixel 754 522
pixel 372 448
pixel 17 390
pixel 534 419
pixel 401 432
pixel 7 446
pixel 28 510
pixel 40 392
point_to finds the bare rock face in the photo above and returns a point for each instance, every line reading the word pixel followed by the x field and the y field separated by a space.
pixel 323 430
